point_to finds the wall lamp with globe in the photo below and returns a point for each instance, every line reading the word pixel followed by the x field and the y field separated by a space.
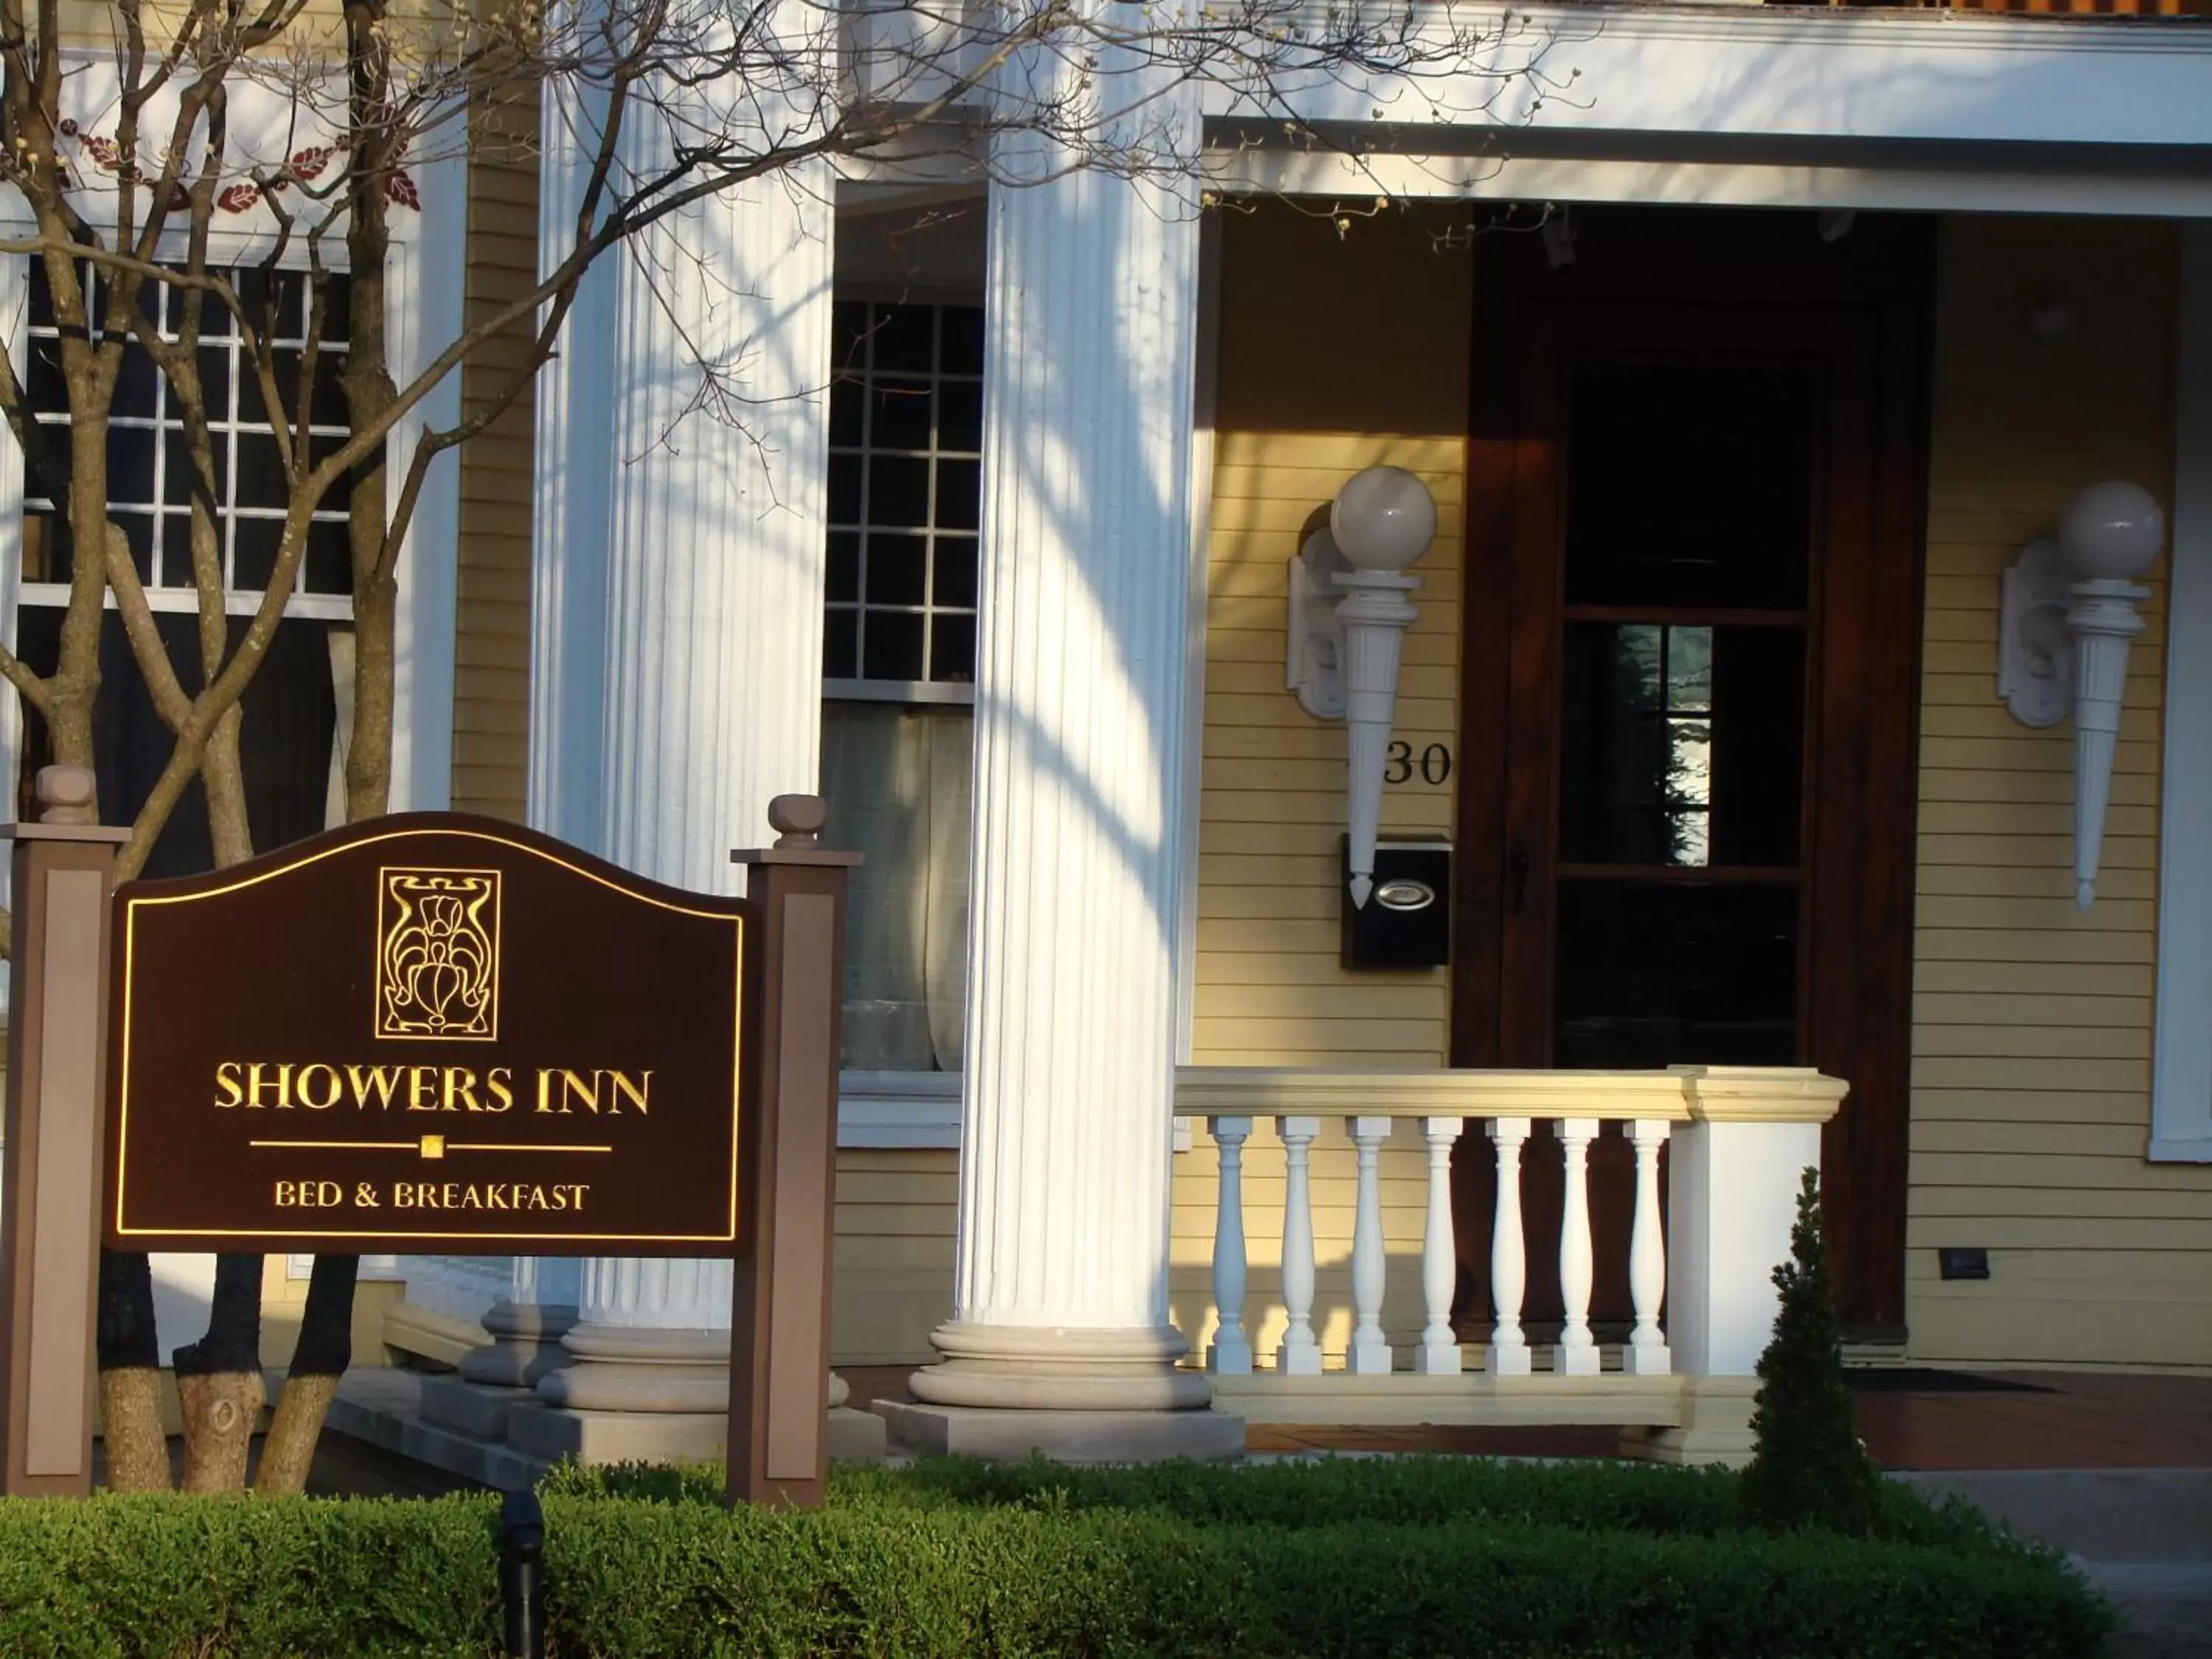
pixel 1349 613
pixel 2068 615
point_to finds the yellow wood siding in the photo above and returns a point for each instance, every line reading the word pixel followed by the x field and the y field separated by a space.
pixel 491 666
pixel 2032 1021
pixel 1297 413
pixel 893 1260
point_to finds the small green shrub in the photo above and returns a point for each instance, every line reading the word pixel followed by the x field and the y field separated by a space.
pixel 1424 1557
pixel 1809 1468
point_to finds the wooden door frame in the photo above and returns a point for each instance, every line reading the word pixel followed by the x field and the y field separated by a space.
pixel 1857 1023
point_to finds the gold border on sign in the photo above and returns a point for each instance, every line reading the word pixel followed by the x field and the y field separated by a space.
pixel 131 907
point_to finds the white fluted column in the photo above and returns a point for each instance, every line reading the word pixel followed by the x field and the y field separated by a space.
pixel 1067 1100
pixel 677 581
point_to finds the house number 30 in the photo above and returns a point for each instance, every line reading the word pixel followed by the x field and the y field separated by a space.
pixel 1434 763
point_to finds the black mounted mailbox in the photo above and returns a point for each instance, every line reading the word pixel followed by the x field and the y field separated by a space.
pixel 1406 920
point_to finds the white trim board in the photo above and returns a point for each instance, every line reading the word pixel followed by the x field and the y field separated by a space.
pixel 2181 1089
pixel 899 1110
pixel 1761 176
pixel 1801 70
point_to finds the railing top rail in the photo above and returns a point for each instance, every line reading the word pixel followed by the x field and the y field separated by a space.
pixel 1753 1094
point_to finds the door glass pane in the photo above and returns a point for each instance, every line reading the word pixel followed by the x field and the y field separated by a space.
pixel 1679 745
pixel 1689 485
pixel 1663 973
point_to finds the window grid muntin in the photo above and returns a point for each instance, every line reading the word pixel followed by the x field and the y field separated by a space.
pixel 159 513
pixel 865 373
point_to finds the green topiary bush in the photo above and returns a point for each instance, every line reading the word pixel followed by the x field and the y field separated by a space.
pixel 1809 1468
pixel 1418 1557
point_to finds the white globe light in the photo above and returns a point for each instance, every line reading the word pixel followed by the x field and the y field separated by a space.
pixel 1384 519
pixel 2112 532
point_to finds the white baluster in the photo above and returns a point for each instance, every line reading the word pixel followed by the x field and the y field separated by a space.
pixel 1300 1354
pixel 1647 1354
pixel 1439 1353
pixel 1371 1354
pixel 1508 1253
pixel 1229 1353
pixel 1575 1354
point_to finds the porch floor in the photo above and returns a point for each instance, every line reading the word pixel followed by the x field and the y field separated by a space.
pixel 2048 1420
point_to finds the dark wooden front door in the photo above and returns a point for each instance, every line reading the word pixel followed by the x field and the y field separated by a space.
pixel 1688 786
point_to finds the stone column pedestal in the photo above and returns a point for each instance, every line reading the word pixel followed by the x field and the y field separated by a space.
pixel 526 1326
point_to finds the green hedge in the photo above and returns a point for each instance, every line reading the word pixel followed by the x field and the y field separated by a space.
pixel 1424 1491
pixel 1352 1558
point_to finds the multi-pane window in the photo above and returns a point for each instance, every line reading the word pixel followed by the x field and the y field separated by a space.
pixel 906 432
pixel 151 477
pixel 906 440
pixel 289 716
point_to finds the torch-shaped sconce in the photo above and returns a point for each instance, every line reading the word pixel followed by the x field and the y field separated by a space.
pixel 1349 614
pixel 2068 615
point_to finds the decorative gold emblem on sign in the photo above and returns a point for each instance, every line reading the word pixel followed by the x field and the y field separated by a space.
pixel 437 954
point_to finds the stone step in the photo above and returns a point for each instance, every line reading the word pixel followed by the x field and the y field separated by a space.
pixel 504 1439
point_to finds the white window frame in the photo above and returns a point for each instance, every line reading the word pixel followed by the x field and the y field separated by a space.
pixel 861 688
pixel 2181 1087
pixel 183 598
pixel 890 1110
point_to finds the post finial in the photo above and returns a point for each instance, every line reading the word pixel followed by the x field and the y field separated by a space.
pixel 797 819
pixel 67 794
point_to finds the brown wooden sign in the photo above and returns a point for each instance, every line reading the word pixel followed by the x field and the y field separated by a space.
pixel 428 1032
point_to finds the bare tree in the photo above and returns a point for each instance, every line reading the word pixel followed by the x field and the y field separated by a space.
pixel 133 155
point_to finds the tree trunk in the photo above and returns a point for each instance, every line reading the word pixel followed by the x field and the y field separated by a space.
pixel 323 1352
pixel 218 1380
pixel 130 1376
pixel 325 1345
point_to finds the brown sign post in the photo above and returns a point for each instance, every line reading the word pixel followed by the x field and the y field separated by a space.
pixel 436 1032
pixel 50 1231
pixel 779 1449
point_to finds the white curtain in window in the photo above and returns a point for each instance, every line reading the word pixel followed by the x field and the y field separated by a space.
pixel 897 780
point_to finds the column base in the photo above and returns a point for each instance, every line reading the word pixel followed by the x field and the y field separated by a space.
pixel 1716 1426
pixel 1066 1436
pixel 640 1368
pixel 1057 1369
pixel 525 1345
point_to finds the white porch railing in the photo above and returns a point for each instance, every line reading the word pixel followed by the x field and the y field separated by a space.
pixel 1741 1137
